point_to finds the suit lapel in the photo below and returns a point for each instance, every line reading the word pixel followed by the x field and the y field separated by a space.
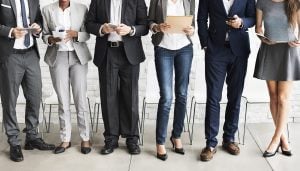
pixel 72 14
pixel 164 8
pixel 14 7
pixel 187 7
pixel 221 3
pixel 123 12
pixel 107 4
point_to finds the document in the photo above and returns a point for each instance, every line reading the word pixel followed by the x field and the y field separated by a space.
pixel 178 23
pixel 60 33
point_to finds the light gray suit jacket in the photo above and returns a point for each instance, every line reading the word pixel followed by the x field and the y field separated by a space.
pixel 158 14
pixel 78 16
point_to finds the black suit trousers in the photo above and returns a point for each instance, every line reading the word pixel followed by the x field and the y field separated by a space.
pixel 119 95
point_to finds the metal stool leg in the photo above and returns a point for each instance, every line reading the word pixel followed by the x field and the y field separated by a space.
pixel 193 123
pixel 49 121
pixel 98 112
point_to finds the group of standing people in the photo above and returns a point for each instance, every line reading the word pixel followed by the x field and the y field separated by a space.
pixel 118 26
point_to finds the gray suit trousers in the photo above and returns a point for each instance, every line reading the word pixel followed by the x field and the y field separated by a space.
pixel 21 69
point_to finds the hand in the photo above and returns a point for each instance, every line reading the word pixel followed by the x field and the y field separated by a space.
pixel 18 33
pixel 236 23
pixel 53 40
pixel 189 30
pixel 163 27
pixel 106 29
pixel 123 30
pixel 71 34
pixel 37 28
pixel 294 44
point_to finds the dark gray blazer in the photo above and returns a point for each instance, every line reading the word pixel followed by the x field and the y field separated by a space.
pixel 158 14
pixel 8 20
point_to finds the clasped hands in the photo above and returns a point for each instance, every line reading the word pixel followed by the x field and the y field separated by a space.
pixel 121 29
pixel 70 34
pixel 164 27
pixel 19 32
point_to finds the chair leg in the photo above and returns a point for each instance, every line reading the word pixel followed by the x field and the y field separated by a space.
pixel 90 112
pixel 189 119
pixel 142 130
pixel 43 120
pixel 245 122
pixel 2 124
pixel 193 123
pixel 49 121
pixel 97 121
pixel 288 132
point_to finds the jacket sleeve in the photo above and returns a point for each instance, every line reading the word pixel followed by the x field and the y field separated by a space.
pixel 39 19
pixel 46 30
pixel 141 25
pixel 203 22
pixel 91 24
pixel 250 16
pixel 83 36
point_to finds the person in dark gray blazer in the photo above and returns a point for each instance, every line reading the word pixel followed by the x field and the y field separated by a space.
pixel 68 63
pixel 19 65
pixel 119 25
pixel 173 53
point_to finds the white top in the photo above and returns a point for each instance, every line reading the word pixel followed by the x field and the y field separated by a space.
pixel 63 19
pixel 19 43
pixel 115 18
pixel 174 41
pixel 227 5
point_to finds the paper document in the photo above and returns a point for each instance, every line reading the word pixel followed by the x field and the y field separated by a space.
pixel 178 23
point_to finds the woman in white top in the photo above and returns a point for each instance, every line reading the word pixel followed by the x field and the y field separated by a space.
pixel 68 63
pixel 173 52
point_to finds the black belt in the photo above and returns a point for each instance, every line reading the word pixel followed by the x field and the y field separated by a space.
pixel 227 44
pixel 22 51
pixel 115 44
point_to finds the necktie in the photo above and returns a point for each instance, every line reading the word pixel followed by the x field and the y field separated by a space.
pixel 25 23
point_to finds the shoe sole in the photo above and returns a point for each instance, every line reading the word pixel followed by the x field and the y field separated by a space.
pixel 15 160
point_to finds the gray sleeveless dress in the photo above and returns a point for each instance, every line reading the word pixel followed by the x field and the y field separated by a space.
pixel 278 62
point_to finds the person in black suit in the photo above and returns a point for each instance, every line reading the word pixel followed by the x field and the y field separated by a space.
pixel 227 48
pixel 19 65
pixel 119 25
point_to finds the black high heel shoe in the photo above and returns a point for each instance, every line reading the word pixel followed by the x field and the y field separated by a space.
pixel 61 149
pixel 270 154
pixel 286 152
pixel 162 157
pixel 177 150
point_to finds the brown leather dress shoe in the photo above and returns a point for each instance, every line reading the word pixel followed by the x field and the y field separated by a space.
pixel 207 154
pixel 231 148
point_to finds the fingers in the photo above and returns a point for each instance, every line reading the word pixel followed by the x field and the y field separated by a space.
pixel 189 30
pixel 164 27
pixel 123 29
pixel 107 29
pixel 37 28
pixel 18 33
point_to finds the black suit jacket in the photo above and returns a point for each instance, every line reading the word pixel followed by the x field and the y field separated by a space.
pixel 134 13
pixel 8 20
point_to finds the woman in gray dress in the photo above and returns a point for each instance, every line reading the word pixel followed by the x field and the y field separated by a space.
pixel 278 61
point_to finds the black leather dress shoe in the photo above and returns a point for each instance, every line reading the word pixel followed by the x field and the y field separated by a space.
pixel 61 149
pixel 38 144
pixel 109 148
pixel 16 153
pixel 133 148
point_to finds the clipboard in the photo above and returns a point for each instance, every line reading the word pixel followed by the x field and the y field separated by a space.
pixel 178 23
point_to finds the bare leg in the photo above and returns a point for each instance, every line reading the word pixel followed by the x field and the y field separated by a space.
pixel 279 95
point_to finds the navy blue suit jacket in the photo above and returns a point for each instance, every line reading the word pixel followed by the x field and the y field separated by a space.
pixel 213 35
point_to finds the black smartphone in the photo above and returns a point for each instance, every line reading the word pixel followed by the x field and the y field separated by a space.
pixel 231 18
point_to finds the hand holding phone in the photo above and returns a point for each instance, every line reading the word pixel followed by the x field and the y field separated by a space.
pixel 230 18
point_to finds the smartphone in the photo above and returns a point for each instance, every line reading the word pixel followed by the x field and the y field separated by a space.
pixel 112 26
pixel 231 18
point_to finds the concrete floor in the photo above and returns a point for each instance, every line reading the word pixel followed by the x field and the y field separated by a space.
pixel 257 138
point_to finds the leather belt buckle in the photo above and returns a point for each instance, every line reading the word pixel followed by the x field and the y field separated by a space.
pixel 114 44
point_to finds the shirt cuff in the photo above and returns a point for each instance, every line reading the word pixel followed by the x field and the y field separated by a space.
pixel 10 33
pixel 132 33
pixel 100 31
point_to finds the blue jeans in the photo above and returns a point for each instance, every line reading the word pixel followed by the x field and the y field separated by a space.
pixel 165 61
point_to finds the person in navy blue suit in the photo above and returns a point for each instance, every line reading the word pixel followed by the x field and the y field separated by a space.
pixel 227 48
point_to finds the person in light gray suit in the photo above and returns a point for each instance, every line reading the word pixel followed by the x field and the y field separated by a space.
pixel 67 56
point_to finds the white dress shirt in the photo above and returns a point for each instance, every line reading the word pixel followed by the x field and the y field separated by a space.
pixel 63 19
pixel 115 19
pixel 174 41
pixel 19 43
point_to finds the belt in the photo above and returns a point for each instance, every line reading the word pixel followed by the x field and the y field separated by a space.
pixel 115 44
pixel 227 44
pixel 22 51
